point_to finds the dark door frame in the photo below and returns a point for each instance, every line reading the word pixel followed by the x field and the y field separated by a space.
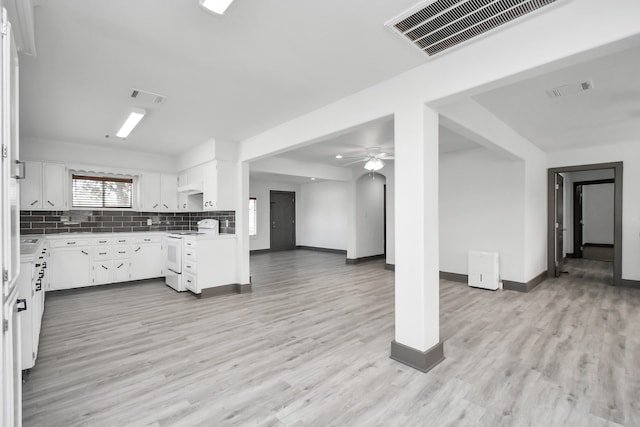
pixel 577 213
pixel 288 193
pixel 617 215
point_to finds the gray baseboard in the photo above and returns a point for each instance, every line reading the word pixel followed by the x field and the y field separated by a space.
pixel 524 287
pixel 364 259
pixel 454 277
pixel 259 251
pixel 234 288
pixel 423 361
pixel 629 283
pixel 390 267
pixel 314 248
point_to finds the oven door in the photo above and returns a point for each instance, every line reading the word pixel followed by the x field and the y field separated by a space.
pixel 174 254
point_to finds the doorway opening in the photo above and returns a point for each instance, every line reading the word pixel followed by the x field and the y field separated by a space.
pixel 556 227
pixel 282 220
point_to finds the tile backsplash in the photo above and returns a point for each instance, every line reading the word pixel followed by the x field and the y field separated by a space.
pixel 113 221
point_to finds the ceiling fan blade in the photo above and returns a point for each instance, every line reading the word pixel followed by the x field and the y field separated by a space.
pixel 360 159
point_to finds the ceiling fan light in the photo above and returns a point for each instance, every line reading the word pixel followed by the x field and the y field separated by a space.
pixel 216 6
pixel 374 165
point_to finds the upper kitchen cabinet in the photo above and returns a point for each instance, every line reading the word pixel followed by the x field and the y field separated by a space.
pixel 44 186
pixel 190 190
pixel 218 190
pixel 158 192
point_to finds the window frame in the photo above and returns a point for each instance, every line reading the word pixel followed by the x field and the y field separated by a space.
pixel 104 177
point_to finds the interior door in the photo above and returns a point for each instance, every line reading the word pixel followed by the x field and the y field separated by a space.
pixel 577 221
pixel 559 247
pixel 283 220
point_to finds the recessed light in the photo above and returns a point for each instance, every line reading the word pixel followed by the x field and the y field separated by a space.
pixel 216 6
pixel 339 156
pixel 313 179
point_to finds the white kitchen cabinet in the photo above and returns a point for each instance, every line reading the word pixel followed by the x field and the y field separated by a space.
pixel 54 186
pixel 121 270
pixel 158 192
pixel 102 272
pixel 192 178
pixel 150 192
pixel 70 267
pixel 31 186
pixel 219 186
pixel 147 261
pixel 44 186
pixel 169 189
pixel 208 263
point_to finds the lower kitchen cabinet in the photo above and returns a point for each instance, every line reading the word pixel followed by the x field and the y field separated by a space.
pixel 70 268
pixel 147 261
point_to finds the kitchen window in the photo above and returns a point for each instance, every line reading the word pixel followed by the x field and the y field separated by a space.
pixel 101 192
pixel 253 216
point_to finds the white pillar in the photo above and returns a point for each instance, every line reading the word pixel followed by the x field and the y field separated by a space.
pixel 242 225
pixel 352 220
pixel 417 339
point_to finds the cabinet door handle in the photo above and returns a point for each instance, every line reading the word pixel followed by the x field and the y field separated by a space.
pixel 120 265
pixel 138 249
pixel 50 203
pixel 21 304
pixel 33 203
pixel 102 241
pixel 71 243
pixel 104 267
pixel 165 206
pixel 147 240
pixel 20 170
pixel 122 252
pixel 155 206
pixel 102 253
pixel 86 253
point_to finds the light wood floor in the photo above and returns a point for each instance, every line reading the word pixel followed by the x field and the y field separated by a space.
pixel 310 346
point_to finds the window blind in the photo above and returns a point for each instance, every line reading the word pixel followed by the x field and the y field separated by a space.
pixel 101 192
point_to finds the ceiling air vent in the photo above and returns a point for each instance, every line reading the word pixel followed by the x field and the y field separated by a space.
pixel 145 97
pixel 570 89
pixel 446 23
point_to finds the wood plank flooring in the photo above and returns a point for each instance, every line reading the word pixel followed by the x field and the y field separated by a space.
pixel 310 346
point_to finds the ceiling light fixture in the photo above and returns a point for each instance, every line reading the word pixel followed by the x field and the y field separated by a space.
pixel 216 6
pixel 339 156
pixel 374 164
pixel 313 179
pixel 134 118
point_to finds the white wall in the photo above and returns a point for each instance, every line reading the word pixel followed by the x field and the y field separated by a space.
pixel 323 215
pixel 260 190
pixel 114 157
pixel 597 208
pixel 629 154
pixel 369 215
pixel 481 208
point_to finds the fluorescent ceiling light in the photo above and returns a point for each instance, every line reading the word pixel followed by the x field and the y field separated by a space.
pixel 134 118
pixel 374 165
pixel 216 6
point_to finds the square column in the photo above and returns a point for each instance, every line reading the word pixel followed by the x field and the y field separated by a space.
pixel 417 287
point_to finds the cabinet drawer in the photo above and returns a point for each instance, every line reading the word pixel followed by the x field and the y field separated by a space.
pixel 121 240
pixel 65 243
pixel 190 282
pixel 121 251
pixel 189 266
pixel 104 241
pixel 147 239
pixel 190 254
pixel 102 252
pixel 189 243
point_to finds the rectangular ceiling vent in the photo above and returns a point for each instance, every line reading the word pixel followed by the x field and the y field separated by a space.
pixel 570 89
pixel 446 23
pixel 145 97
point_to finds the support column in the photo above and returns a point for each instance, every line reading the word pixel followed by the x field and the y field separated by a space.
pixel 352 221
pixel 242 228
pixel 417 339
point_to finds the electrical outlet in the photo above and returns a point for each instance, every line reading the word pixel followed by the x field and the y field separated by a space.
pixel 149 221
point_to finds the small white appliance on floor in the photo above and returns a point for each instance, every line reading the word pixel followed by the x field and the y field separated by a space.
pixel 484 270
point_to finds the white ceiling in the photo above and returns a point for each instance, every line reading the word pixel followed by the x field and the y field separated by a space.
pixel 227 77
pixel 607 114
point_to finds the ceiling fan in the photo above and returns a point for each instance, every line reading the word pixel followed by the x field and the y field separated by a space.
pixel 373 160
